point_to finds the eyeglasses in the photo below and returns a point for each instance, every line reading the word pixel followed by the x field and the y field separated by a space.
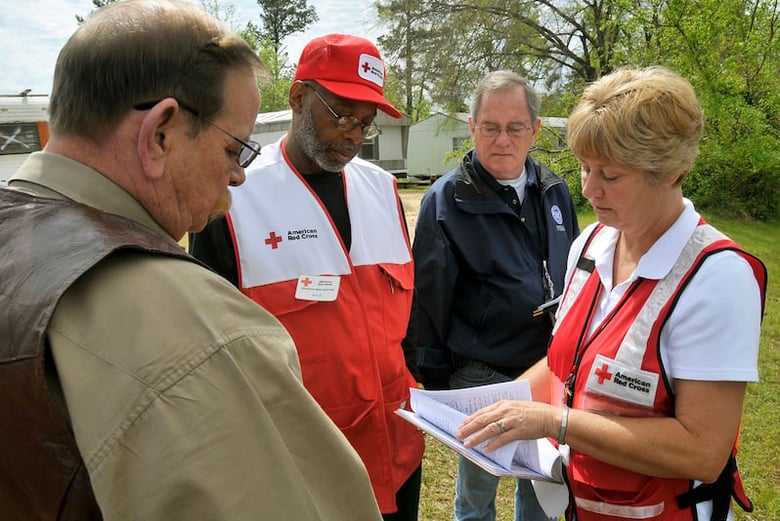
pixel 246 154
pixel 349 123
pixel 511 131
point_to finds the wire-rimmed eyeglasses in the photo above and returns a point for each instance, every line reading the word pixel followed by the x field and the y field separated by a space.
pixel 246 154
pixel 513 130
pixel 349 123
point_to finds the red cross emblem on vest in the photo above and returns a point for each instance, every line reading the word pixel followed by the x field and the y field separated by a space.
pixel 273 240
pixel 306 282
pixel 603 373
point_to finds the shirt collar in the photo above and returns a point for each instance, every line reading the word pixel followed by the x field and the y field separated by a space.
pixel 54 175
pixel 659 259
pixel 531 179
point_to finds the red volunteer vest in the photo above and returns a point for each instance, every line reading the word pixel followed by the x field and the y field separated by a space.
pixel 618 370
pixel 349 347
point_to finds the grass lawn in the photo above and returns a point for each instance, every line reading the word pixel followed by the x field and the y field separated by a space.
pixel 759 455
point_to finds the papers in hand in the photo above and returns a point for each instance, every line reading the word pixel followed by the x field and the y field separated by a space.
pixel 440 413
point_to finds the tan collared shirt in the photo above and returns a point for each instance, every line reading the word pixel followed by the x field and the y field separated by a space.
pixel 185 396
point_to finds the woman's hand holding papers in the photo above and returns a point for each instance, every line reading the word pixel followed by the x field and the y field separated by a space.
pixel 509 420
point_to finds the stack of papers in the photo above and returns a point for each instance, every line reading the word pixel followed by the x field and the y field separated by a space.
pixel 440 413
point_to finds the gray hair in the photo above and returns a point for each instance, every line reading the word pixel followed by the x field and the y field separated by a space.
pixel 502 81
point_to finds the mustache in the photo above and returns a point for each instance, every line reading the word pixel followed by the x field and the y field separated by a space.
pixel 346 148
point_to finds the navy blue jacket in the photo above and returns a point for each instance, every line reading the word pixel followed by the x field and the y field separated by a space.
pixel 479 269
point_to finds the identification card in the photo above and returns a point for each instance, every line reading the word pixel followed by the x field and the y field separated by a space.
pixel 611 378
pixel 323 288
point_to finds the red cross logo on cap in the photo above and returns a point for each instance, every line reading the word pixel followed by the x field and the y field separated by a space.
pixel 273 240
pixel 366 67
pixel 603 373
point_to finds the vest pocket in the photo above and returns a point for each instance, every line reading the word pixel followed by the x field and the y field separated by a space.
pixel 399 275
pixel 642 497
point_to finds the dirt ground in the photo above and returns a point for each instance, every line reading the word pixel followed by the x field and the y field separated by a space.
pixel 411 202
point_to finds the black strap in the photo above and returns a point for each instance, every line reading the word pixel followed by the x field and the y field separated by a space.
pixel 719 492
pixel 586 264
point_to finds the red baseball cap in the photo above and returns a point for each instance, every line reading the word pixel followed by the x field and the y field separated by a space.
pixel 348 66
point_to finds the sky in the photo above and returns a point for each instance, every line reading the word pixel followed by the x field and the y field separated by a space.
pixel 33 31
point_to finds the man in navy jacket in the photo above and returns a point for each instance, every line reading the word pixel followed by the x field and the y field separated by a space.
pixel 490 247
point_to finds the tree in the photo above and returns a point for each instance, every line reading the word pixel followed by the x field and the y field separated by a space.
pixel 557 43
pixel 282 18
pixel 222 11
pixel 729 51
pixel 275 91
pixel 406 83
pixel 441 49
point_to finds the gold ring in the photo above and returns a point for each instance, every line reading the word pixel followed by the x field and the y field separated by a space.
pixel 501 427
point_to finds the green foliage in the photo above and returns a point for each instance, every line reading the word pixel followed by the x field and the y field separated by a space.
pixel 274 95
pixel 729 51
pixel 461 151
pixel 274 90
pixel 738 170
pixel 416 106
pixel 560 103
pixel 566 166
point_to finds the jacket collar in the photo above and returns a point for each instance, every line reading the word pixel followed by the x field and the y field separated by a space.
pixel 475 183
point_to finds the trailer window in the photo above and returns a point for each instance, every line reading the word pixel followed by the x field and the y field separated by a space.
pixel 19 138
pixel 369 149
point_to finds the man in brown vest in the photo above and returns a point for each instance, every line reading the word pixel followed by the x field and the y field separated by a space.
pixel 134 382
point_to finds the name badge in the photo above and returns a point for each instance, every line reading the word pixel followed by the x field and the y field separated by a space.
pixel 323 288
pixel 611 378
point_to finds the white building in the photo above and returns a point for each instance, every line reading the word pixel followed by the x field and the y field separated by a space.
pixel 24 129
pixel 433 139
pixel 387 150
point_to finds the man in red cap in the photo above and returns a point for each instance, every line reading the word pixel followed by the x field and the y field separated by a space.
pixel 317 237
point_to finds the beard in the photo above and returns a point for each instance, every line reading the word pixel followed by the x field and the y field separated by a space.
pixel 222 206
pixel 316 149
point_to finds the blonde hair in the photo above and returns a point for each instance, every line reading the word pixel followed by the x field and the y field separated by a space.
pixel 648 119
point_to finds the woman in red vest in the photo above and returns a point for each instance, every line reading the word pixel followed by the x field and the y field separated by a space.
pixel 658 330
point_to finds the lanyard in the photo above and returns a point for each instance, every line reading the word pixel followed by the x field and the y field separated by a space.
pixel 582 345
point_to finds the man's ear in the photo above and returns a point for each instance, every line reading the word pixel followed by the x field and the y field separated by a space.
pixel 297 90
pixel 155 137
pixel 537 125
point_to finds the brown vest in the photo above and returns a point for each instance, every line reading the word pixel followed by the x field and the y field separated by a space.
pixel 46 245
